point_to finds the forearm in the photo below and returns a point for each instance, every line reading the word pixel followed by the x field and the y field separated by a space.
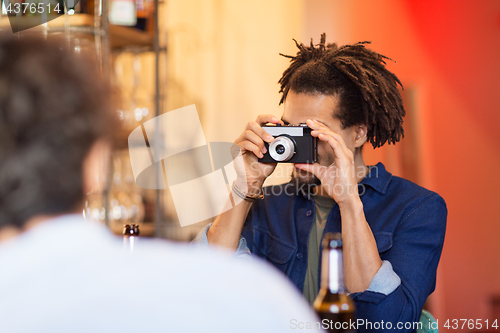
pixel 361 257
pixel 226 229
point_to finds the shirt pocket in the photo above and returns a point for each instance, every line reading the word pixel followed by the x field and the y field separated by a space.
pixel 273 249
pixel 383 240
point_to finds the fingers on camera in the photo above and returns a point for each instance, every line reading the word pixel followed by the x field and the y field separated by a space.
pixel 250 146
pixel 254 127
pixel 263 119
pixel 337 143
pixel 256 140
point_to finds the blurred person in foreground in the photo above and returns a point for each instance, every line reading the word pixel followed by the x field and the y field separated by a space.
pixel 392 229
pixel 60 273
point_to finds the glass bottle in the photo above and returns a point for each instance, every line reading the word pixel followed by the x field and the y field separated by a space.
pixel 333 304
pixel 130 234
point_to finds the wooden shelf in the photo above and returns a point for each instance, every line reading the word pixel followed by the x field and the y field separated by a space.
pixel 119 36
pixel 123 37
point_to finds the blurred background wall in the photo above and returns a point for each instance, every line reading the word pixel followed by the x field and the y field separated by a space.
pixel 223 55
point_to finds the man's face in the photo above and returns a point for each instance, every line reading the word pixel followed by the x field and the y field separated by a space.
pixel 298 108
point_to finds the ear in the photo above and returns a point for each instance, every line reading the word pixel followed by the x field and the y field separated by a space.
pixel 95 167
pixel 360 139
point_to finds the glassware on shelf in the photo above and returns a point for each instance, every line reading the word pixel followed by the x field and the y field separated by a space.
pixel 94 208
pixel 141 98
pixel 118 200
pixel 136 208
pixel 125 202
pixel 135 94
pixel 134 88
pixel 124 91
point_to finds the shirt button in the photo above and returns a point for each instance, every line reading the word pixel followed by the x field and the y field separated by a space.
pixel 299 255
pixel 309 213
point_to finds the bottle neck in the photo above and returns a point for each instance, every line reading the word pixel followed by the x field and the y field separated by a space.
pixel 332 271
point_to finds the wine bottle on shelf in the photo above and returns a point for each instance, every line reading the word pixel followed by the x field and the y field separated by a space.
pixel 140 6
pixel 145 19
pixel 333 305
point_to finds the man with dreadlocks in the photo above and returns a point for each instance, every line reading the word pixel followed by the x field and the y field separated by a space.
pixel 392 230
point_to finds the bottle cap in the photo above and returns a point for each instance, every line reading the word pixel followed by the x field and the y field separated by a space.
pixel 135 227
pixel 131 230
pixel 332 240
pixel 126 230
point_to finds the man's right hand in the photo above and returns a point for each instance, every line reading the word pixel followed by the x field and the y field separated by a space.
pixel 226 229
pixel 251 144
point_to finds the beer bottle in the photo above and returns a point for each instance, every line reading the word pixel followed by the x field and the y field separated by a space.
pixel 333 305
pixel 130 233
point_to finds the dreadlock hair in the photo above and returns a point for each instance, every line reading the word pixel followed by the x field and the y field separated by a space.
pixel 368 92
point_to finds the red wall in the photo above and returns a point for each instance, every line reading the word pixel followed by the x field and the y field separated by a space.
pixel 448 53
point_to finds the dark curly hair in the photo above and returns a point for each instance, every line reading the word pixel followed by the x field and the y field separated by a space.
pixel 368 92
pixel 53 106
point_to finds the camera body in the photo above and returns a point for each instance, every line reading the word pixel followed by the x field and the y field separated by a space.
pixel 291 144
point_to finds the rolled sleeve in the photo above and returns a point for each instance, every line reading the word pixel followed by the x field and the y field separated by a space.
pixel 383 283
pixel 201 241
pixel 385 280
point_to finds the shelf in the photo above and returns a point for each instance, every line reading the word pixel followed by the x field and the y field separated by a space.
pixel 123 36
pixel 120 36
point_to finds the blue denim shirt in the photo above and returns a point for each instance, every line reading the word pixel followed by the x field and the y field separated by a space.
pixel 407 221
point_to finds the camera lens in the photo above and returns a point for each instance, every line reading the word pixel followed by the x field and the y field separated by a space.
pixel 282 149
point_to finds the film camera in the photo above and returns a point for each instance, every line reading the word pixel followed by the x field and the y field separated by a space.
pixel 291 144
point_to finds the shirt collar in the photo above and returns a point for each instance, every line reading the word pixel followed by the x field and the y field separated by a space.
pixel 378 178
